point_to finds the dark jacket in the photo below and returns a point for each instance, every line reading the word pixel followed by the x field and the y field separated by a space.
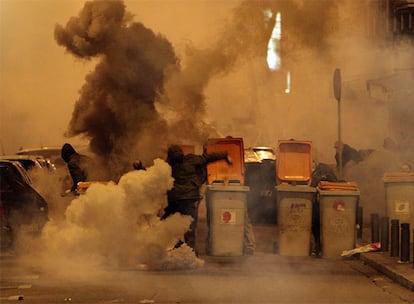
pixel 78 164
pixel 188 172
pixel 350 154
pixel 323 172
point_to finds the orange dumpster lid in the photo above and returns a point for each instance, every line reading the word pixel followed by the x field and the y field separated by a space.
pixel 398 176
pixel 324 185
pixel 294 161
pixel 220 170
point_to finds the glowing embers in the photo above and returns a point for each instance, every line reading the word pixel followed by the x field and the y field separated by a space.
pixel 273 47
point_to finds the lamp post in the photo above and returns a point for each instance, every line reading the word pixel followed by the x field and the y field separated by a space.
pixel 337 84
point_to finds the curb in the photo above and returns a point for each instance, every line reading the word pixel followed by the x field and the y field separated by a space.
pixel 403 274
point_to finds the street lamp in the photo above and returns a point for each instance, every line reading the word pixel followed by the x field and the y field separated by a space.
pixel 337 84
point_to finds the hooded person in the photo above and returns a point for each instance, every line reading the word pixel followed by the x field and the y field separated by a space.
pixel 78 165
pixel 138 165
pixel 188 173
pixel 350 154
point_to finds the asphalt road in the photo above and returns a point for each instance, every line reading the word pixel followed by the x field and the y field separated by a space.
pixel 262 278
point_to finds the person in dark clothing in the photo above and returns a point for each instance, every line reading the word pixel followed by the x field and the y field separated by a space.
pixel 348 154
pixel 77 164
pixel 137 165
pixel 184 197
pixel 323 172
pixel 351 154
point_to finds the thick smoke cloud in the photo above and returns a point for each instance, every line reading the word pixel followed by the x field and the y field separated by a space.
pixel 115 109
pixel 225 89
pixel 117 225
pixel 245 35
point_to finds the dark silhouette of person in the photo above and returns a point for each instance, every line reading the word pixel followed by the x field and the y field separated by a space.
pixel 351 154
pixel 137 165
pixel 348 154
pixel 184 197
pixel 78 165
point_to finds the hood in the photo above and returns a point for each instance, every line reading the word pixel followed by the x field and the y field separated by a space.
pixel 175 154
pixel 67 151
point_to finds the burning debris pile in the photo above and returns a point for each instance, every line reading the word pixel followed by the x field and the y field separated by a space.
pixel 118 225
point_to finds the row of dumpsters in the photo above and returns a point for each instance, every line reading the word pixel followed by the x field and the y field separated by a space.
pixel 292 202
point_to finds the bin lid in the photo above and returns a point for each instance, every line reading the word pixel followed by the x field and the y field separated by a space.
pixel 347 186
pixel 294 161
pixel 227 188
pixel 294 188
pixel 333 192
pixel 220 170
pixel 398 177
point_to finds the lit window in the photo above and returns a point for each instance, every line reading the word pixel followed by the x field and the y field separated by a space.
pixel 273 46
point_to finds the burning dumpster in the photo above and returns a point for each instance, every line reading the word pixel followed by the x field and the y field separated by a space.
pixel 294 196
pixel 226 199
pixel 338 210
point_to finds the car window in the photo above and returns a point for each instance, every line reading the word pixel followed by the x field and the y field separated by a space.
pixel 10 179
pixel 27 163
pixel 17 170
pixel 6 180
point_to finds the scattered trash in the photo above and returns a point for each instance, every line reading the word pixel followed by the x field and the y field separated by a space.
pixel 403 262
pixel 146 301
pixel 365 248
pixel 142 267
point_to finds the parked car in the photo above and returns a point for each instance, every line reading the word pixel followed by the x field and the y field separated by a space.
pixel 31 161
pixel 51 153
pixel 22 208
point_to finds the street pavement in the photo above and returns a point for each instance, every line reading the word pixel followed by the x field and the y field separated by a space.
pixel 267 235
pixel 270 275
pixel 266 257
pixel 259 278
pixel 401 273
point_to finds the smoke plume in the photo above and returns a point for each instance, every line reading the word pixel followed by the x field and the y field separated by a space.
pixel 244 35
pixel 118 225
pixel 120 103
pixel 115 109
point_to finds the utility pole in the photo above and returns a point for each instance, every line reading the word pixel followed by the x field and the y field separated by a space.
pixel 337 83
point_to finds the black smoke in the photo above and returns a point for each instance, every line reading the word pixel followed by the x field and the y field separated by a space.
pixel 243 36
pixel 138 74
pixel 116 109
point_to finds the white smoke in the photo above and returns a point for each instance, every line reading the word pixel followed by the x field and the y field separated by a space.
pixel 118 225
